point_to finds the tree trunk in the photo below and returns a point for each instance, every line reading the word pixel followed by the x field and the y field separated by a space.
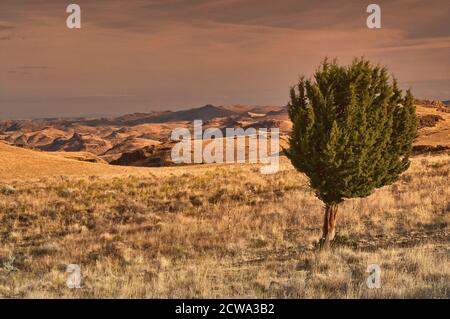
pixel 329 222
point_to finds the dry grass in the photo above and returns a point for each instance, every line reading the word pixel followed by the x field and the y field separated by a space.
pixel 437 135
pixel 222 231
pixel 18 163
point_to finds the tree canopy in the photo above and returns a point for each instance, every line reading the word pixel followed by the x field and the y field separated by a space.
pixel 352 129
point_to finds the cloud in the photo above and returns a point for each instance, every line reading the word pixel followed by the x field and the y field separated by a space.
pixel 33 67
pixel 5 27
pixel 194 52
pixel 418 44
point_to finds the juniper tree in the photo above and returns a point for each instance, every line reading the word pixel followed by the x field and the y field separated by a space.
pixel 352 133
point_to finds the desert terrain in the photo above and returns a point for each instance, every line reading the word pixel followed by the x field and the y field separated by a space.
pixel 140 139
pixel 210 230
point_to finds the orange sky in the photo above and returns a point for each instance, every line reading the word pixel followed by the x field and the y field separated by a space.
pixel 136 55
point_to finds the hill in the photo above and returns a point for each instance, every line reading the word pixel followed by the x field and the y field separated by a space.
pixel 114 137
pixel 158 232
pixel 204 113
pixel 19 163
pixel 200 233
pixel 437 129
pixel 79 142
pixel 257 109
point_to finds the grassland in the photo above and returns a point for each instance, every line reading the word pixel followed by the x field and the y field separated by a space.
pixel 220 231
pixel 25 164
pixel 439 134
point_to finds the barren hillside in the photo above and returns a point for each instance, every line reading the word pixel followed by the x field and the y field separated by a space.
pixel 131 136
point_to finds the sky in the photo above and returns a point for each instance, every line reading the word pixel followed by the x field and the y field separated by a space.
pixel 140 56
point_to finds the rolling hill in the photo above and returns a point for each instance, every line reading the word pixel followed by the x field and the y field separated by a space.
pixel 19 163
pixel 142 137
pixel 438 133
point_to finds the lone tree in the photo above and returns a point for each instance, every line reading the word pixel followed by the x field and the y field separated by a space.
pixel 352 133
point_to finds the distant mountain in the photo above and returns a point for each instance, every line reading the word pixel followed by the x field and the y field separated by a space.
pixel 137 116
pixel 79 142
pixel 19 125
pixel 204 113
pixel 428 103
pixel 144 139
pixel 258 109
pixel 447 102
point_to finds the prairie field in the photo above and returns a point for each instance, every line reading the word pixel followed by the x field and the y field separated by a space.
pixel 222 231
pixel 216 149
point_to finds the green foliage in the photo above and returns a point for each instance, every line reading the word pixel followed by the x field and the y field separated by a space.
pixel 352 129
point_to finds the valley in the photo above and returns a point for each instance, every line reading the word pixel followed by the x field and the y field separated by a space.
pixel 141 135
